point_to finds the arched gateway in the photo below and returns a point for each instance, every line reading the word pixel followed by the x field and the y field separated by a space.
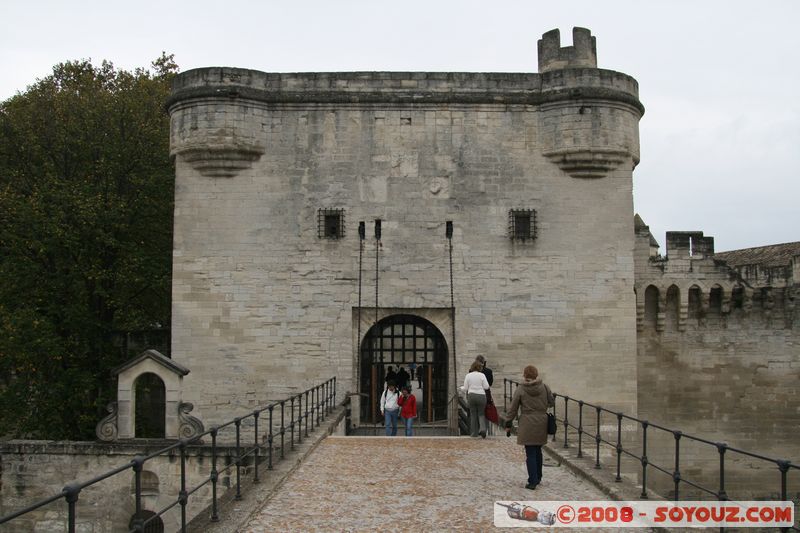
pixel 400 340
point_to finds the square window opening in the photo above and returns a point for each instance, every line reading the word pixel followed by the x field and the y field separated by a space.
pixel 331 224
pixel 522 224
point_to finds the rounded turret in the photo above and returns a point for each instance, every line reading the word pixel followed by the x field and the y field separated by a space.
pixel 590 118
pixel 582 53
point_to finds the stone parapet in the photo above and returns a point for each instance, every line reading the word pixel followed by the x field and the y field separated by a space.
pixel 403 87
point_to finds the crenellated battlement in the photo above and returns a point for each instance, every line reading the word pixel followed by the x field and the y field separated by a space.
pixel 582 53
pixel 692 287
pixel 686 244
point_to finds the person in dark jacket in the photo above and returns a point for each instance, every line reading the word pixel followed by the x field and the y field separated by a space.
pixel 391 375
pixel 402 377
pixel 486 370
pixel 531 400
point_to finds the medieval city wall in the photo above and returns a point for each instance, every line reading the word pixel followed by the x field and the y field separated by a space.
pixel 719 358
pixel 263 306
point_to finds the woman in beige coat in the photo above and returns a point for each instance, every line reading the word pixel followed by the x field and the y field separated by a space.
pixel 532 398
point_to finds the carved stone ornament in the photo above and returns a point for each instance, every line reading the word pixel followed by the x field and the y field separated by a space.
pixel 587 162
pixel 106 429
pixel 190 426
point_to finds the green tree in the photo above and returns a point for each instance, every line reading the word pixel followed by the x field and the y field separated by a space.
pixel 86 202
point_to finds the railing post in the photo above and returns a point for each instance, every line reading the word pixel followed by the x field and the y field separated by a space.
pixel 71 493
pixel 580 428
pixel 291 424
pixel 310 401
pixel 270 437
pixel 320 402
pixel 319 405
pixel 334 390
pixel 138 463
pixel 238 422
pixel 331 403
pixel 214 476
pixel 555 413
pixel 597 440
pixel 619 447
pixel 183 497
pixel 566 421
pixel 644 459
pixel 676 475
pixel 722 448
pixel 306 415
pixel 325 404
pixel 505 401
pixel 257 443
pixel 283 426
pixel 300 417
pixel 783 466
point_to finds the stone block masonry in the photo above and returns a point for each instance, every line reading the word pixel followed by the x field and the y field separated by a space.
pixel 719 357
pixel 35 470
pixel 263 306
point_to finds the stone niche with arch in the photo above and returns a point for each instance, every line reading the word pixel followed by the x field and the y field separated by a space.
pixel 149 401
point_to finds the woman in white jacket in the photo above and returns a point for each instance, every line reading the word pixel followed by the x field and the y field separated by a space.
pixel 390 408
pixel 475 387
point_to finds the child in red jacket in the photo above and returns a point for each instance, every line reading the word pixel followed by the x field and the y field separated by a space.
pixel 408 409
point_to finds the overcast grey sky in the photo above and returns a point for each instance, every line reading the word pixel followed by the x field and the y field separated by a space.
pixel 720 140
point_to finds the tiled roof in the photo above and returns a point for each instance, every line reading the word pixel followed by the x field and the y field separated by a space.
pixel 774 255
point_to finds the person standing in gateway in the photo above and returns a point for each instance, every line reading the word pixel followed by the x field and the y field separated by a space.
pixel 390 408
pixel 485 369
pixel 408 410
pixel 475 387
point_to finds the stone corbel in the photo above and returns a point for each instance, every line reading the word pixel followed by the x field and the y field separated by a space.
pixel 190 426
pixel 585 162
pixel 106 429
pixel 221 161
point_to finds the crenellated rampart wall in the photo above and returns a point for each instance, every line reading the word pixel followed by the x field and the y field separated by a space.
pixel 718 351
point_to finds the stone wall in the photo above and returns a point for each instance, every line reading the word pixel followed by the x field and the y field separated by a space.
pixel 719 358
pixel 35 470
pixel 263 306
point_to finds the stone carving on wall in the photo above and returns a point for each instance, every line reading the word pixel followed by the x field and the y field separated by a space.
pixel 106 429
pixel 190 426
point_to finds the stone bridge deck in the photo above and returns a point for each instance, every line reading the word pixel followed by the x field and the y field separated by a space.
pixel 410 484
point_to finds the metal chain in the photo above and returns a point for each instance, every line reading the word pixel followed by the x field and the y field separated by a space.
pixel 453 320
pixel 358 312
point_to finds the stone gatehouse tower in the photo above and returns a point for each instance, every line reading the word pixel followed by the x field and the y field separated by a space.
pixel 274 173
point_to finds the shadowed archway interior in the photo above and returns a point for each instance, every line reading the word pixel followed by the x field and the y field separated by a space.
pixel 400 340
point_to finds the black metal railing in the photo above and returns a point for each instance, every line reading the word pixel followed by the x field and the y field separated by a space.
pixel 313 405
pixel 722 449
pixel 463 418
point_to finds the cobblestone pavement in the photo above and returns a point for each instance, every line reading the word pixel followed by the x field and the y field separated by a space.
pixel 411 484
